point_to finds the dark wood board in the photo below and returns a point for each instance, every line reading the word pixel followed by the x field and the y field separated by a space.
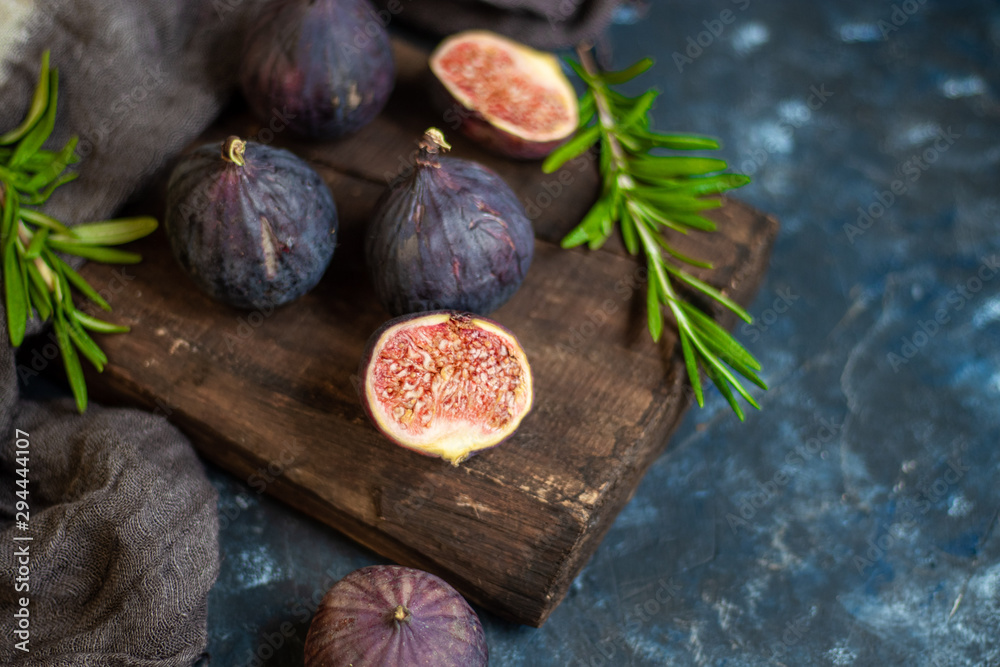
pixel 509 528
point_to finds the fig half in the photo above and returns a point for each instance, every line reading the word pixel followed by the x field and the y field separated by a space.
pixel 445 383
pixel 504 95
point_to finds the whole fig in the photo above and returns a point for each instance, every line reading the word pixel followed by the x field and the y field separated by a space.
pixel 324 65
pixel 391 615
pixel 451 235
pixel 254 227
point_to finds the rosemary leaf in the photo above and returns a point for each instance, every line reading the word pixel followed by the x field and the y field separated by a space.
pixel 571 149
pixel 95 324
pixel 37 244
pixel 40 133
pixel 627 74
pixel 39 103
pixel 15 296
pixel 95 253
pixel 110 232
pixel 74 371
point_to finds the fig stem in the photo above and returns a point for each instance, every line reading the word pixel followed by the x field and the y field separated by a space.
pixel 432 144
pixel 401 614
pixel 233 149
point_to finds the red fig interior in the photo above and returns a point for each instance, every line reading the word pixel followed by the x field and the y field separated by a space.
pixel 447 385
pixel 513 86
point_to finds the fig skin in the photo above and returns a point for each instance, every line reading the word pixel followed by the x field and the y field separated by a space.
pixel 428 318
pixel 317 63
pixel 463 112
pixel 451 235
pixel 253 235
pixel 392 615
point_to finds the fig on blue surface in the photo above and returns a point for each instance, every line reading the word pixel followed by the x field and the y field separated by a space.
pixel 254 226
pixel 504 95
pixel 324 65
pixel 394 616
pixel 445 383
pixel 451 235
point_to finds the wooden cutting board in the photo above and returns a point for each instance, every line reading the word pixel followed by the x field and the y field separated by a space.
pixel 270 396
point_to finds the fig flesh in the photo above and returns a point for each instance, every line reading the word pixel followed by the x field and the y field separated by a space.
pixel 254 227
pixel 388 615
pixel 451 235
pixel 505 95
pixel 324 65
pixel 445 384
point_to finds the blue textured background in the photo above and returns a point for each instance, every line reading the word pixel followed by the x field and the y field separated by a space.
pixel 852 521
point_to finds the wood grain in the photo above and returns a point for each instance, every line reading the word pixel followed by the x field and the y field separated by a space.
pixel 275 391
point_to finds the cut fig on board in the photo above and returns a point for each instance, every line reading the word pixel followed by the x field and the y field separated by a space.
pixel 445 383
pixel 504 95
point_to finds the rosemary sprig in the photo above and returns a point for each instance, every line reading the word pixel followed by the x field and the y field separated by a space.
pixel 35 277
pixel 646 193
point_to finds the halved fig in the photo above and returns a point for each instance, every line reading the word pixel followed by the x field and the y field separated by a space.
pixel 504 95
pixel 445 383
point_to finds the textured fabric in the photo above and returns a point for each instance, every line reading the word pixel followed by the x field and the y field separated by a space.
pixel 545 24
pixel 125 540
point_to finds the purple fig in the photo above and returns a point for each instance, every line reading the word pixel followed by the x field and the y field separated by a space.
pixel 324 65
pixel 451 235
pixel 254 226
pixel 391 615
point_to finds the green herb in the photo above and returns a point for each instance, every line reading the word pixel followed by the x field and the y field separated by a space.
pixel 34 276
pixel 647 193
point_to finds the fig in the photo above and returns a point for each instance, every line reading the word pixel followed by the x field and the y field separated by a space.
pixel 504 95
pixel 324 65
pixel 388 615
pixel 254 227
pixel 451 235
pixel 445 384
